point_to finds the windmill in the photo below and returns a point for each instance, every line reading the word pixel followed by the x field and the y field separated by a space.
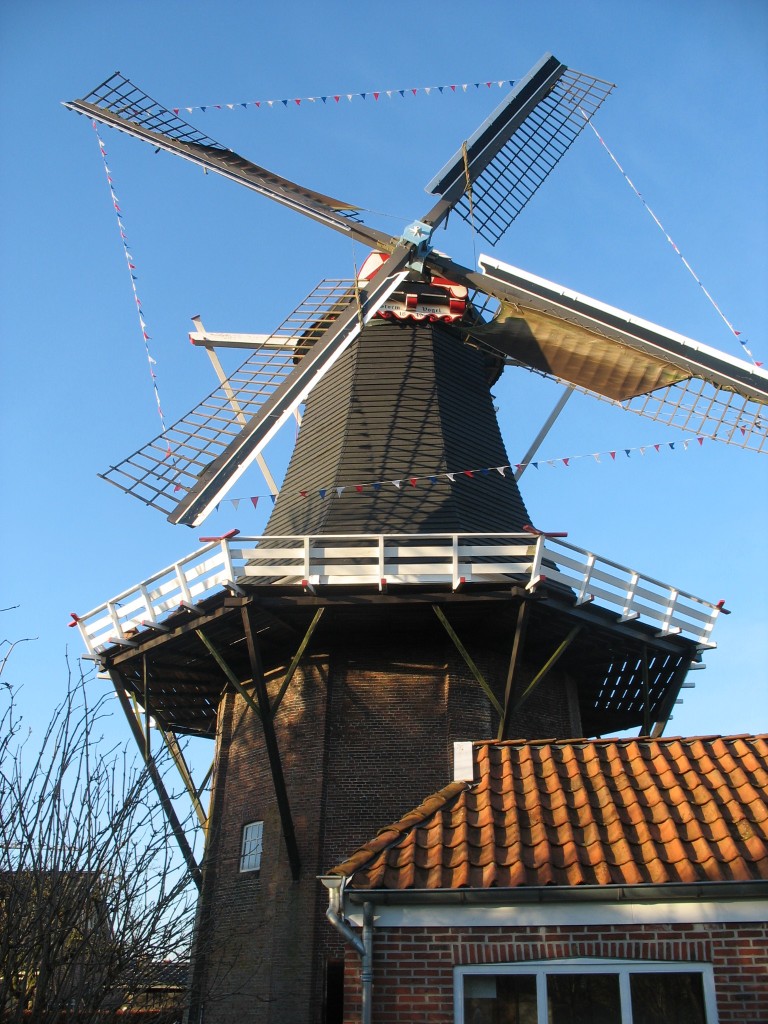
pixel 319 687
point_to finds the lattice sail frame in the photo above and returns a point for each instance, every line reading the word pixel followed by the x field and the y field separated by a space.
pixel 504 186
pixel 166 467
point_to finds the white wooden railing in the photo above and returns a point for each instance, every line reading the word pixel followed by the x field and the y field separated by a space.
pixel 383 560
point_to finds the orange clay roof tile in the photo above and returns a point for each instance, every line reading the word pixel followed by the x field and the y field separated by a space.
pixel 580 812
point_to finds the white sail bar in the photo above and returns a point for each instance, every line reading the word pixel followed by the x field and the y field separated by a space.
pixel 624 359
pixel 392 560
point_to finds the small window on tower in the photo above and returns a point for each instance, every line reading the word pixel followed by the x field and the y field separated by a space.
pixel 250 853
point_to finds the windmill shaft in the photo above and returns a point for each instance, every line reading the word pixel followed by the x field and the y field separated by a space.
pixel 239 454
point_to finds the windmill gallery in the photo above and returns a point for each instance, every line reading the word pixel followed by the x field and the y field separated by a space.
pixel 344 662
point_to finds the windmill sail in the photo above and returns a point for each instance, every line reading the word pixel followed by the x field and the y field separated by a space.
pixel 515 149
pixel 604 351
pixel 119 103
pixel 166 468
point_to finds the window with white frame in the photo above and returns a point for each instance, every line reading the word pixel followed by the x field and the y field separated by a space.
pixel 583 991
pixel 250 851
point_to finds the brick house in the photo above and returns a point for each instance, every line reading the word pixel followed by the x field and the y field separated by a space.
pixel 626 879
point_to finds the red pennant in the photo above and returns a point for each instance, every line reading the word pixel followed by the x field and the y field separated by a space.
pixel 413 481
pixel 376 95
pixel 414 91
pixel 469 473
pixel 566 461
pixel 657 446
pixel 175 110
pixel 700 440
pixel 297 102
pixel 254 502
pixel 303 494
pixel 337 98
pixel 613 455
pixel 359 488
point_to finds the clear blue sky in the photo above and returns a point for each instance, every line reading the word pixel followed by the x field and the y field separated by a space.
pixel 687 120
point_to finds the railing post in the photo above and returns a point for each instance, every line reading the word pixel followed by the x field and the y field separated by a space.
pixel 181 579
pixel 455 560
pixel 536 577
pixel 666 626
pixel 583 596
pixel 628 614
pixel 226 555
pixel 307 555
pixel 381 549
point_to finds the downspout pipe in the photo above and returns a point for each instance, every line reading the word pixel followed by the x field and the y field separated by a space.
pixel 362 946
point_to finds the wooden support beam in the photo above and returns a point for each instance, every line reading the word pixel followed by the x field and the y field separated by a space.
pixel 186 851
pixel 468 660
pixel 546 667
pixel 668 701
pixel 646 694
pixel 296 659
pixel 273 751
pixel 177 755
pixel 230 674
pixel 517 645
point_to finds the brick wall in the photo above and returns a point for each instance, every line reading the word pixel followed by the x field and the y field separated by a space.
pixel 413 968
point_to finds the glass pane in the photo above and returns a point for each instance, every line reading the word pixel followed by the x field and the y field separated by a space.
pixel 583 999
pixel 658 998
pixel 499 999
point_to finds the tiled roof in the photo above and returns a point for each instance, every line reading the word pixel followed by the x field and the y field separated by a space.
pixel 575 812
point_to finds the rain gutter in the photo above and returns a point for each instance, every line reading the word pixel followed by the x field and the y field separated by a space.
pixel 362 946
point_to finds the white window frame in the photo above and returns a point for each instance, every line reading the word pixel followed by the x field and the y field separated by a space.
pixel 251 846
pixel 587 965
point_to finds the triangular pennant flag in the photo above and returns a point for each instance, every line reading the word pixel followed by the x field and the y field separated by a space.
pixel 613 455
pixel 396 483
pixel 302 493
pixel 566 461
pixel 551 462
pixel 535 465
pixel 339 491
pixel 376 486
pixel 657 446
pixel 642 451
pixel 363 94
pixel 440 89
pixel 596 456
pixel 518 467
pixel 271 103
pixel 323 98
pixel 235 503
pixel 469 473
pixel 685 445
pixel 402 92
pixel 359 488
pixel 451 477
pixel 389 94
pixel 217 506
pixel 427 89
pixel 274 498
pixel 627 451
pixel 672 445
pixel 349 96
pixel 453 88
pixel 175 110
pixel 337 98
pixel 203 109
pixel 284 102
pixel 414 91
pixel 322 493
pixel 500 470
pixel 413 481
pixel 432 479
pixel 376 95
pixel 700 440
pixel 297 102
pixel 255 501
pixel 230 106
pixel 484 472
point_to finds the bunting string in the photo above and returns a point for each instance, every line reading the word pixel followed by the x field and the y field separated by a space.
pixel 429 480
pixel 130 262
pixel 333 98
pixel 477 474
pixel 660 226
